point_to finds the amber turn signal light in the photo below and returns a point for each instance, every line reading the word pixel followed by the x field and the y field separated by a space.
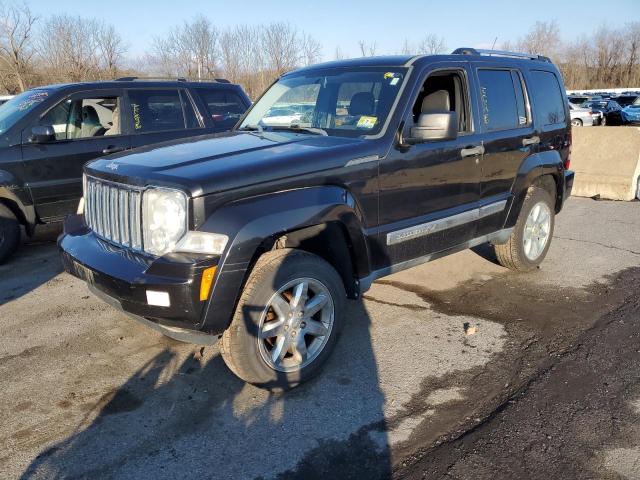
pixel 207 280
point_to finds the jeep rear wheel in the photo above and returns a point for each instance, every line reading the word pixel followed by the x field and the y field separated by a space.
pixel 531 237
pixel 9 233
pixel 287 320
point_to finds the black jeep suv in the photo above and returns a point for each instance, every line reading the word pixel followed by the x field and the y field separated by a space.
pixel 341 173
pixel 47 134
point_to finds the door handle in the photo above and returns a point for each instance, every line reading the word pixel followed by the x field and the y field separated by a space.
pixel 112 149
pixel 472 151
pixel 530 141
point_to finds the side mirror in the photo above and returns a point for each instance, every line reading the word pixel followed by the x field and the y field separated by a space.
pixel 42 134
pixel 435 126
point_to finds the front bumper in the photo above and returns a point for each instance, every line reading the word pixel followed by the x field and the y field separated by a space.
pixel 123 277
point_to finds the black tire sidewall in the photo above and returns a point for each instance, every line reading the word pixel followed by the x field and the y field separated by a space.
pixel 9 233
pixel 535 196
pixel 248 314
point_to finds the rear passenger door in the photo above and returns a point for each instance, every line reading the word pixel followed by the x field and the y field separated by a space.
pixel 161 114
pixel 224 107
pixel 509 137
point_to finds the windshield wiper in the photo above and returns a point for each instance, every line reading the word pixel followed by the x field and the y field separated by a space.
pixel 298 128
pixel 252 128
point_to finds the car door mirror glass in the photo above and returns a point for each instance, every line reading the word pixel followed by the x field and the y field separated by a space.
pixel 434 126
pixel 42 134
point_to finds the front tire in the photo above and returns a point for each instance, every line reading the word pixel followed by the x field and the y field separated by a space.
pixel 287 321
pixel 9 233
pixel 531 237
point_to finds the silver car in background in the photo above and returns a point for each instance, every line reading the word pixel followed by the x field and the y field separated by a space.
pixel 581 117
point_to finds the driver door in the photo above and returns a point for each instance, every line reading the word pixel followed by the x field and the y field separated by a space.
pixel 87 125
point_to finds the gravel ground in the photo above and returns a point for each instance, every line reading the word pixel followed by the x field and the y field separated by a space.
pixel 431 357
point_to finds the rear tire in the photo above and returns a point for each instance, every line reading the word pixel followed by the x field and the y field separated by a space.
pixel 9 233
pixel 576 122
pixel 531 237
pixel 279 337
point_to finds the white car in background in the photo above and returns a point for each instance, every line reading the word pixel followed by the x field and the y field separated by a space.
pixel 581 117
pixel 5 98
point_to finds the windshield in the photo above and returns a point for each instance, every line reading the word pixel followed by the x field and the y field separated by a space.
pixel 627 100
pixel 19 106
pixel 340 102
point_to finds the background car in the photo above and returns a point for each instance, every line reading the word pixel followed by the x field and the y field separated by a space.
pixel 611 110
pixel 580 117
pixel 631 114
pixel 625 100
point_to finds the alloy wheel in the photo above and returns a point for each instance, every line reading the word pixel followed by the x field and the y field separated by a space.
pixel 537 230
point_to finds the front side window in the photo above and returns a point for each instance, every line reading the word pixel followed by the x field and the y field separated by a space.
pixel 225 107
pixel 548 99
pixel 502 104
pixel 340 102
pixel 84 118
pixel 160 110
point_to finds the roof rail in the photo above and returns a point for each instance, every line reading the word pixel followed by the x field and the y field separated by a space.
pixel 178 79
pixel 499 53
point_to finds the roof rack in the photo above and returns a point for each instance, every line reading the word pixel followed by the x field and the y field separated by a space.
pixel 178 79
pixel 499 53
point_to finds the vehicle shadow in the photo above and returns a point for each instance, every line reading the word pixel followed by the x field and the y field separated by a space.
pixel 36 262
pixel 188 416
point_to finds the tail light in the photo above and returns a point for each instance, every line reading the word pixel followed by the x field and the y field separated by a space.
pixel 568 143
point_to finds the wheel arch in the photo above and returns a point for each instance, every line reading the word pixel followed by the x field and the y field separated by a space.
pixel 322 220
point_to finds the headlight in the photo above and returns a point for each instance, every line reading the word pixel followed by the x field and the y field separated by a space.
pixel 164 219
pixel 202 242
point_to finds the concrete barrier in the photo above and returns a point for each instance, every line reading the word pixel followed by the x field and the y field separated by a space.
pixel 606 161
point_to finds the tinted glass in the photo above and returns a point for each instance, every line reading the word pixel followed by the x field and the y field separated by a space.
pixel 224 106
pixel 498 103
pixel 342 102
pixel 20 105
pixel 548 99
pixel 190 118
pixel 156 110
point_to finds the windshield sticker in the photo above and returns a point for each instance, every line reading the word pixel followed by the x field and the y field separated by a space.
pixel 394 81
pixel 367 122
pixel 389 75
pixel 33 99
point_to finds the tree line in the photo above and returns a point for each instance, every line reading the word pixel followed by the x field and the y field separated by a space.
pixel 66 48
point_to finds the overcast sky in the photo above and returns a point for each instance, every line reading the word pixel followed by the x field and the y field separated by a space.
pixel 344 22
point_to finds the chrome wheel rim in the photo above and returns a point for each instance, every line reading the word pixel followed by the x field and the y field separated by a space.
pixel 537 230
pixel 295 325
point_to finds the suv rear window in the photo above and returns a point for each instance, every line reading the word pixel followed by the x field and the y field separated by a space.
pixel 160 110
pixel 224 106
pixel 502 102
pixel 547 97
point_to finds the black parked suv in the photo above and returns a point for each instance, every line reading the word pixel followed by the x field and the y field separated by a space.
pixel 48 133
pixel 259 235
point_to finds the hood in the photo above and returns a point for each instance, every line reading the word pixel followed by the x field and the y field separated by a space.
pixel 209 164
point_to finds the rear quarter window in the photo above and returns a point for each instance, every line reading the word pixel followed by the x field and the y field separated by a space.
pixel 547 97
pixel 502 103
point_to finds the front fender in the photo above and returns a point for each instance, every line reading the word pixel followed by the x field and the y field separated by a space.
pixel 252 223
pixel 18 198
pixel 533 167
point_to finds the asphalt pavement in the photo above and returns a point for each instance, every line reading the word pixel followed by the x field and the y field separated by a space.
pixel 429 363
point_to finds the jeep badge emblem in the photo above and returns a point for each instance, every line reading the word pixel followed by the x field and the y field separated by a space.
pixel 113 166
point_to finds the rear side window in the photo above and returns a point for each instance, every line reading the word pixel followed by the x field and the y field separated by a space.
pixel 225 107
pixel 160 110
pixel 501 100
pixel 548 99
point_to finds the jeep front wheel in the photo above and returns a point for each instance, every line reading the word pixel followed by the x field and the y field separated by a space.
pixel 531 237
pixel 9 233
pixel 287 320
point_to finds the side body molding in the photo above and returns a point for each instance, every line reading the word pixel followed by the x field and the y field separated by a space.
pixel 250 221
pixel 534 166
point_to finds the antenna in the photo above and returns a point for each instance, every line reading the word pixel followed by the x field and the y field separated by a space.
pixel 493 47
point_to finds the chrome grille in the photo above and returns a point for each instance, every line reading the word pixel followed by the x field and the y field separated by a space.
pixel 112 211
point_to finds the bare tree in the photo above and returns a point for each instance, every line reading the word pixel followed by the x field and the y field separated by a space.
pixel 112 49
pixel 367 49
pixel 16 41
pixel 432 44
pixel 280 43
pixel 338 55
pixel 311 50
pixel 542 39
